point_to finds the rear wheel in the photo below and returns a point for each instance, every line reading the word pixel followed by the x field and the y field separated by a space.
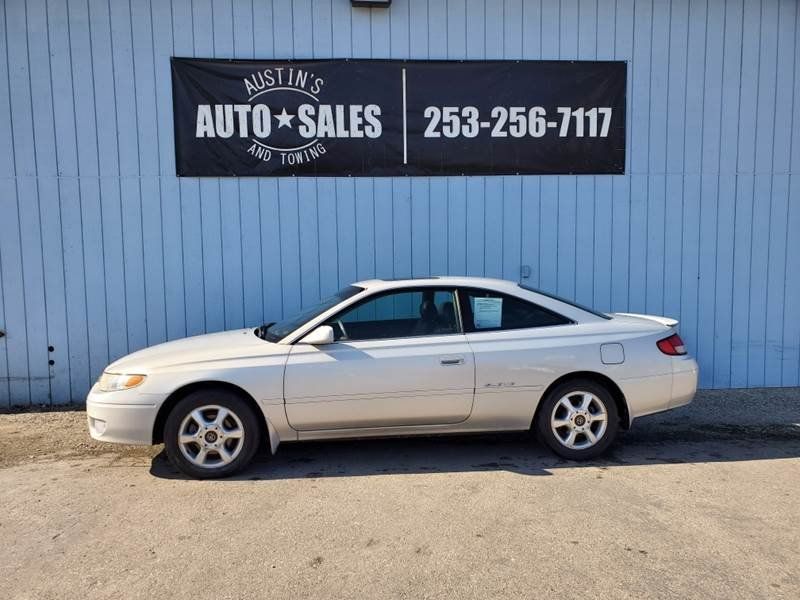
pixel 578 419
pixel 211 433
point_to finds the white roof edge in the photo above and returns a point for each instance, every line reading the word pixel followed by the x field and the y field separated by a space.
pixel 433 280
pixel 367 283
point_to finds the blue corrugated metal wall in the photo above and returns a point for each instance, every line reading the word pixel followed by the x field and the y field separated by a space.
pixel 103 250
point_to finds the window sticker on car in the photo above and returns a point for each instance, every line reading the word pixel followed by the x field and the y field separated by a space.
pixel 488 312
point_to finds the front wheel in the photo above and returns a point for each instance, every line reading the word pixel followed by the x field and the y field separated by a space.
pixel 578 420
pixel 211 433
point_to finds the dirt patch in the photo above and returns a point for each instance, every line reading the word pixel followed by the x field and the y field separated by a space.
pixel 56 435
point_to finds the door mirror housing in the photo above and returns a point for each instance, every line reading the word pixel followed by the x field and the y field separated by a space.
pixel 319 337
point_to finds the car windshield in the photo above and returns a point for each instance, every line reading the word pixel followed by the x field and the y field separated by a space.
pixel 273 332
pixel 564 300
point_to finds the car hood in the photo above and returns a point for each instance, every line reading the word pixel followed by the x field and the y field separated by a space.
pixel 222 346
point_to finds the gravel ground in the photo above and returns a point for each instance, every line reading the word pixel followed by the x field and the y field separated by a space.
pixel 49 435
pixel 698 502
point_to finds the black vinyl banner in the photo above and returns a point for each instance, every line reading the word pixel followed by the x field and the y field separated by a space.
pixel 392 117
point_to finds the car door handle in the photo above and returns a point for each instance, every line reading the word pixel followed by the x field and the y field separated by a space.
pixel 449 361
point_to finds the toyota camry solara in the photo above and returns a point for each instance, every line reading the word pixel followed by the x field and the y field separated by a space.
pixel 389 358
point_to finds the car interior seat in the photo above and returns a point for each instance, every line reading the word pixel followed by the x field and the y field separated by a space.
pixel 447 320
pixel 428 317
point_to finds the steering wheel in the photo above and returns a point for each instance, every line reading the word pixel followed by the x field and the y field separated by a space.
pixel 342 329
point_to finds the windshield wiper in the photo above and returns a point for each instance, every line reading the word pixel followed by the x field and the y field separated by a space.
pixel 262 331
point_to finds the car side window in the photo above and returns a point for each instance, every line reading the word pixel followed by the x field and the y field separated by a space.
pixel 486 310
pixel 405 313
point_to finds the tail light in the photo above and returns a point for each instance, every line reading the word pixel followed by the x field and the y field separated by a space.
pixel 673 345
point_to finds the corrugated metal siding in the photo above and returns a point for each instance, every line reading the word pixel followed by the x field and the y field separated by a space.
pixel 103 250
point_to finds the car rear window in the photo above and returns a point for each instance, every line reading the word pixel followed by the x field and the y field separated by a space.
pixel 565 301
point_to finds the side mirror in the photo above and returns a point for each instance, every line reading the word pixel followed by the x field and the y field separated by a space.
pixel 319 337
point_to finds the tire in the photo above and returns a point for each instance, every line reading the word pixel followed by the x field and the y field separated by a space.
pixel 596 418
pixel 217 447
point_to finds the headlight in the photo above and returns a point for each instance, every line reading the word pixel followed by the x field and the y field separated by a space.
pixel 113 382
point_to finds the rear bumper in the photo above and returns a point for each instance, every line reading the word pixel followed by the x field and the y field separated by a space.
pixel 657 393
pixel 684 382
pixel 112 419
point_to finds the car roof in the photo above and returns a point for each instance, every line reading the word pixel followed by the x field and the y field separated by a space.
pixel 447 281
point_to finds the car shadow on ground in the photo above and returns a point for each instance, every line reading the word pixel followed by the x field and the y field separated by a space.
pixel 653 441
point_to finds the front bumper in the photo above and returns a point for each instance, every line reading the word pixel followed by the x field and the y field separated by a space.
pixel 120 418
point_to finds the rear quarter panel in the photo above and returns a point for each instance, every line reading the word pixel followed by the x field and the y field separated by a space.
pixel 513 369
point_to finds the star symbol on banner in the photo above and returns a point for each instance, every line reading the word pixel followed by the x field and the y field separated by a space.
pixel 284 119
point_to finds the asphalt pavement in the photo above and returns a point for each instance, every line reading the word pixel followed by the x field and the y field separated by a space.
pixel 700 502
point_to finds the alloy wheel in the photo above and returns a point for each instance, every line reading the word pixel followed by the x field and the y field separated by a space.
pixel 211 436
pixel 579 420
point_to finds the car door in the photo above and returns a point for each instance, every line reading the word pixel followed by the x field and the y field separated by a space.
pixel 400 359
pixel 518 346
